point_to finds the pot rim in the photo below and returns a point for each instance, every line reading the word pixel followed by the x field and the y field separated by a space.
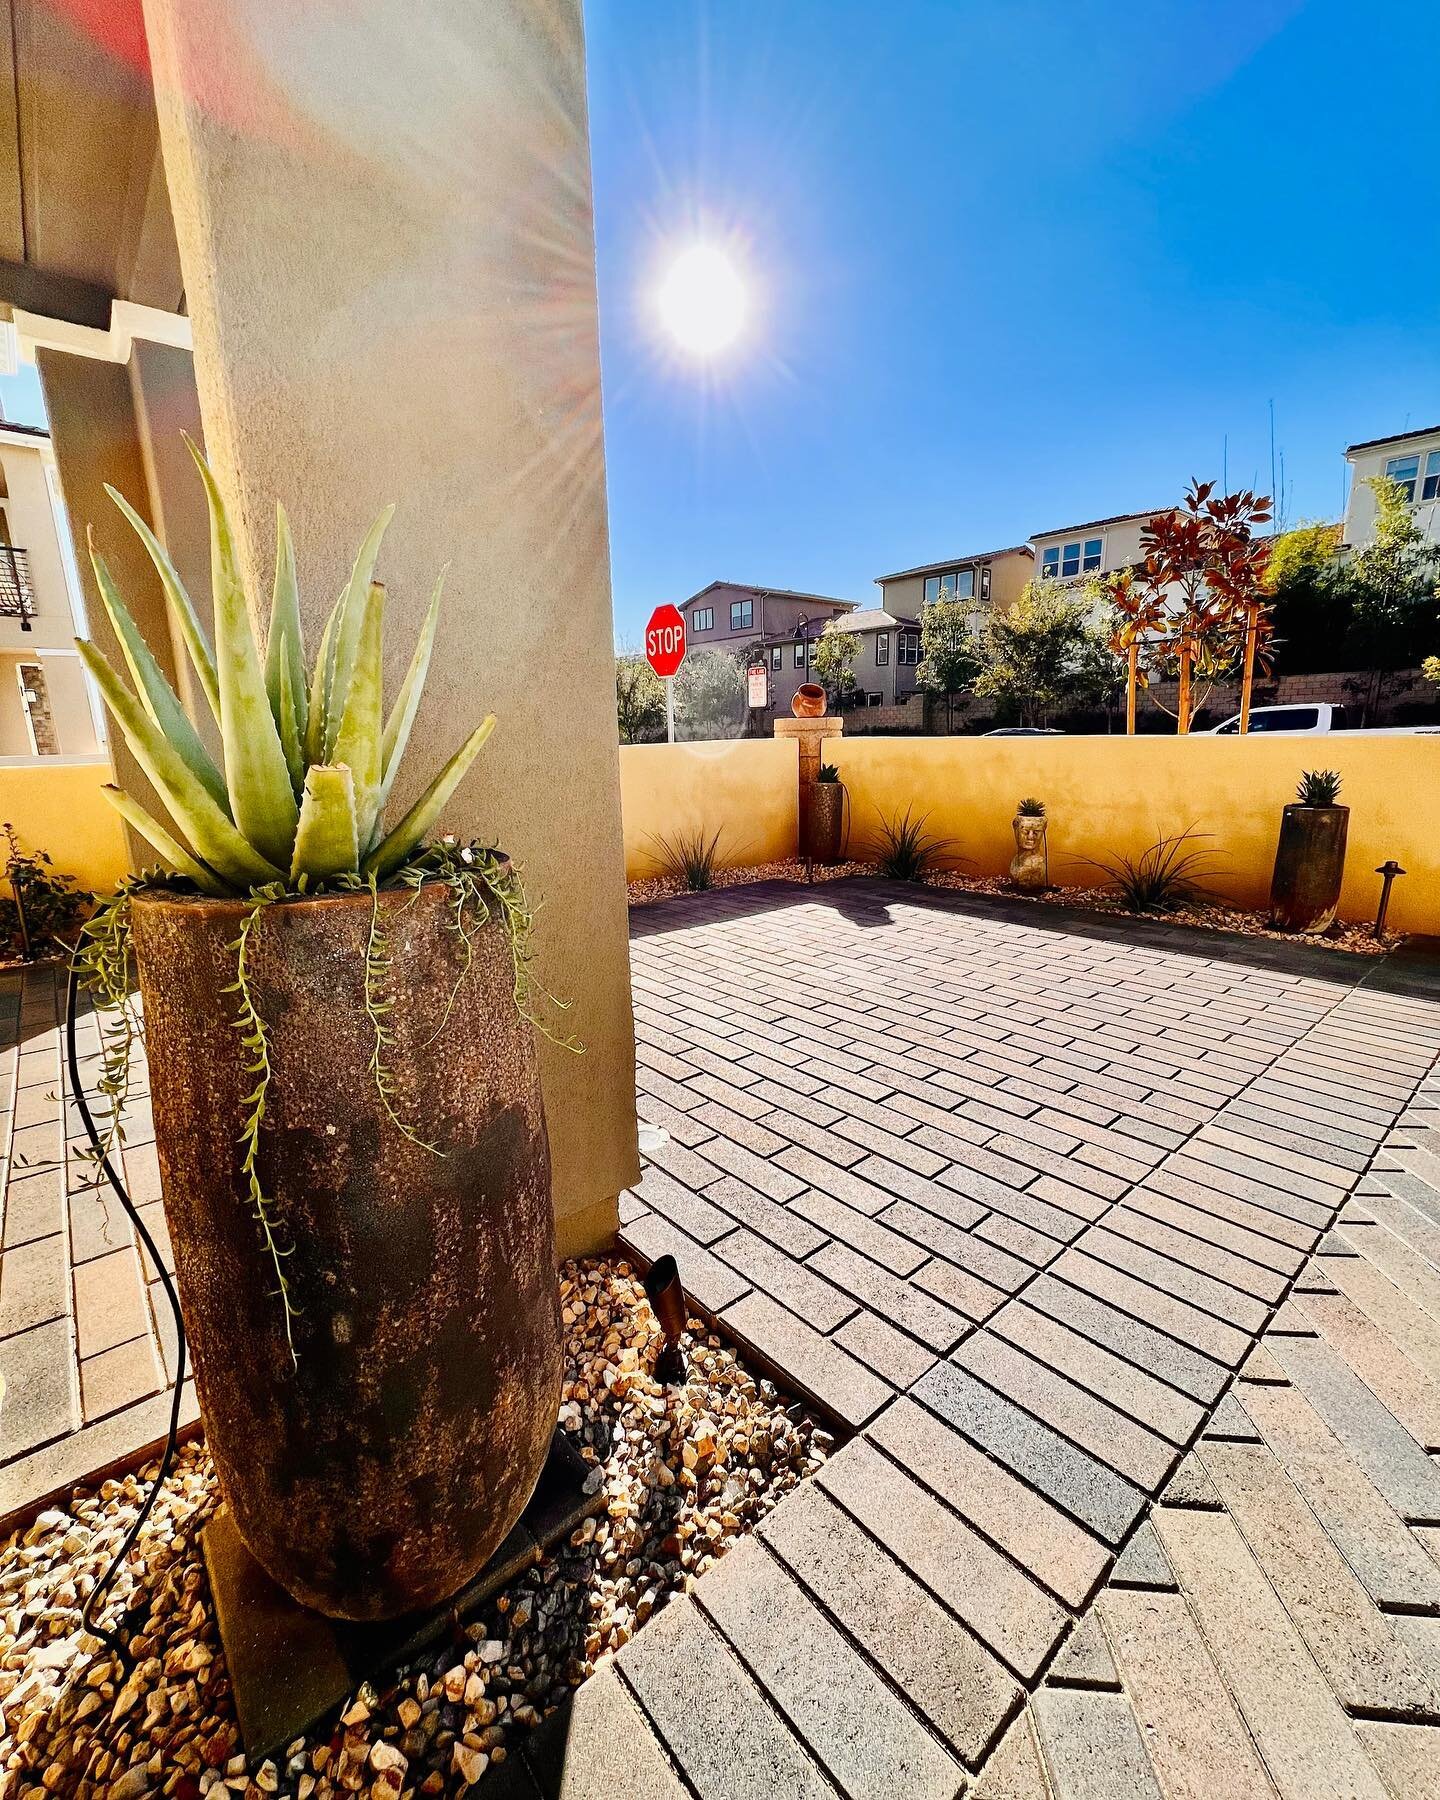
pixel 239 903
pixel 1300 806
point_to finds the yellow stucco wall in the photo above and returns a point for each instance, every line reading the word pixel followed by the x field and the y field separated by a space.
pixel 747 789
pixel 1109 794
pixel 57 806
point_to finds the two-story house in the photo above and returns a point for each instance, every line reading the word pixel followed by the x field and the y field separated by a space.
pixel 728 616
pixel 993 578
pixel 1410 457
pixel 47 707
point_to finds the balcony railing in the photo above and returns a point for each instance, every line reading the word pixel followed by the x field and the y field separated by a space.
pixel 17 597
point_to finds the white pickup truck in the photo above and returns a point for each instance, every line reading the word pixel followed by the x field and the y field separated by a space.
pixel 1317 719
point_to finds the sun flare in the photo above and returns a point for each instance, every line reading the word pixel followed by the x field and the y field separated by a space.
pixel 702 300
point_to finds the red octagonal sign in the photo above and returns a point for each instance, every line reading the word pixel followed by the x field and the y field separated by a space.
pixel 665 640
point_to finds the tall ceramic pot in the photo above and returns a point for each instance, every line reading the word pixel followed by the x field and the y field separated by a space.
pixel 827 819
pixel 377 1470
pixel 1309 867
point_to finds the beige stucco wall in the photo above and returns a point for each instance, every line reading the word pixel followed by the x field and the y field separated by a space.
pixel 746 789
pixel 388 253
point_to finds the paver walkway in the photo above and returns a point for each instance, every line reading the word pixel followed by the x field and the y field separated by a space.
pixel 86 1347
pixel 1018 1200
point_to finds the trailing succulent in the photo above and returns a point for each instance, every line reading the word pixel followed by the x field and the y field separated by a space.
pixel 295 807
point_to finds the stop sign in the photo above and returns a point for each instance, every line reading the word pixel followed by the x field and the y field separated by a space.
pixel 665 640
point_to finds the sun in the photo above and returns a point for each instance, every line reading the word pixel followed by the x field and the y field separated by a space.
pixel 702 300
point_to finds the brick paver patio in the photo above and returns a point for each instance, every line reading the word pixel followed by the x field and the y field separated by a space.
pixel 1034 1204
pixel 1115 1250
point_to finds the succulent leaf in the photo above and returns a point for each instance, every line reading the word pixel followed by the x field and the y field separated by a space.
pixel 290 734
pixel 325 840
pixel 181 604
pixel 155 834
pixel 156 694
pixel 320 689
pixel 261 797
pixel 411 830
pixel 357 744
pixel 212 835
pixel 402 714
pixel 346 642
pixel 286 643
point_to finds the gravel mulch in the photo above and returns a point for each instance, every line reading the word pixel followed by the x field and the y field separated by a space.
pixel 1202 915
pixel 686 1470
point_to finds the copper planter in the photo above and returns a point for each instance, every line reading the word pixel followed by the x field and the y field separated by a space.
pixel 377 1471
pixel 1309 868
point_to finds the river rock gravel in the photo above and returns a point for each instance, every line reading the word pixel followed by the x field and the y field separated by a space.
pixel 685 1470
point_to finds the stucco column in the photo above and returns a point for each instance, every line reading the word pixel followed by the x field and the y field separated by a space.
pixel 384 222
pixel 810 736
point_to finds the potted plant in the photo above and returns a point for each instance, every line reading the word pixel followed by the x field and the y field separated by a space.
pixel 827 815
pixel 1310 856
pixel 1030 867
pixel 347 1113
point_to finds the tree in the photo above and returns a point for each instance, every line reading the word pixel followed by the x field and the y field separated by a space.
pixel 639 700
pixel 1041 656
pixel 1393 584
pixel 949 658
pixel 710 696
pixel 1203 575
pixel 834 652
pixel 1312 600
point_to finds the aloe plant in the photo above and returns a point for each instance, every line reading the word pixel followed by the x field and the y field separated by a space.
pixel 308 759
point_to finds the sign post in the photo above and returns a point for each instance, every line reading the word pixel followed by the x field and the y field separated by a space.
pixel 665 651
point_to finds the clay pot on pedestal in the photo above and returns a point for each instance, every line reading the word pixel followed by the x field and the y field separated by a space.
pixel 1030 867
pixel 809 701
pixel 827 819
pixel 1309 868
pixel 377 1470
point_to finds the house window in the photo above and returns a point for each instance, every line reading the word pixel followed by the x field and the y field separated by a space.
pixel 800 653
pixel 775 659
pixel 882 648
pixel 1431 489
pixel 909 649
pixel 703 619
pixel 1405 470
pixel 953 584
pixel 875 699
pixel 742 615
pixel 1069 560
pixel 985 582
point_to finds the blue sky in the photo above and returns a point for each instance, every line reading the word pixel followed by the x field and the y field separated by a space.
pixel 1018 264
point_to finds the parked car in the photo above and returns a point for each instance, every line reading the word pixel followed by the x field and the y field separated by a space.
pixel 1319 719
pixel 1024 731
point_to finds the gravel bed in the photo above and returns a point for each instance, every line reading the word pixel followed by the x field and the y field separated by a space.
pixel 686 1471
pixel 1201 915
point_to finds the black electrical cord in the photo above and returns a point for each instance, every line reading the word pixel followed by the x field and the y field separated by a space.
pixel 87 1623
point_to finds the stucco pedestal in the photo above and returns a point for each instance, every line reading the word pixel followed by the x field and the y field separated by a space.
pixel 810 736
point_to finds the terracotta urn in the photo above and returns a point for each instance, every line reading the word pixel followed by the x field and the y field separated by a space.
pixel 809 701
pixel 1309 868
pixel 375 1444
pixel 1030 866
pixel 827 818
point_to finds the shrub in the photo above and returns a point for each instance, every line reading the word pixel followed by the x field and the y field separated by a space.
pixel 688 858
pixel 828 773
pixel 906 851
pixel 1166 875
pixel 1031 809
pixel 49 907
pixel 1318 787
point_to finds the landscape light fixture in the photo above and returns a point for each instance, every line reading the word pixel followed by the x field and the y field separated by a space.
pixel 666 1294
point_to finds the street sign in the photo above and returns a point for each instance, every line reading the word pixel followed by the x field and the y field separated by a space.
pixel 665 640
pixel 759 685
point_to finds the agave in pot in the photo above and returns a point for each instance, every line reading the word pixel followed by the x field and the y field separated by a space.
pixel 347 1111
